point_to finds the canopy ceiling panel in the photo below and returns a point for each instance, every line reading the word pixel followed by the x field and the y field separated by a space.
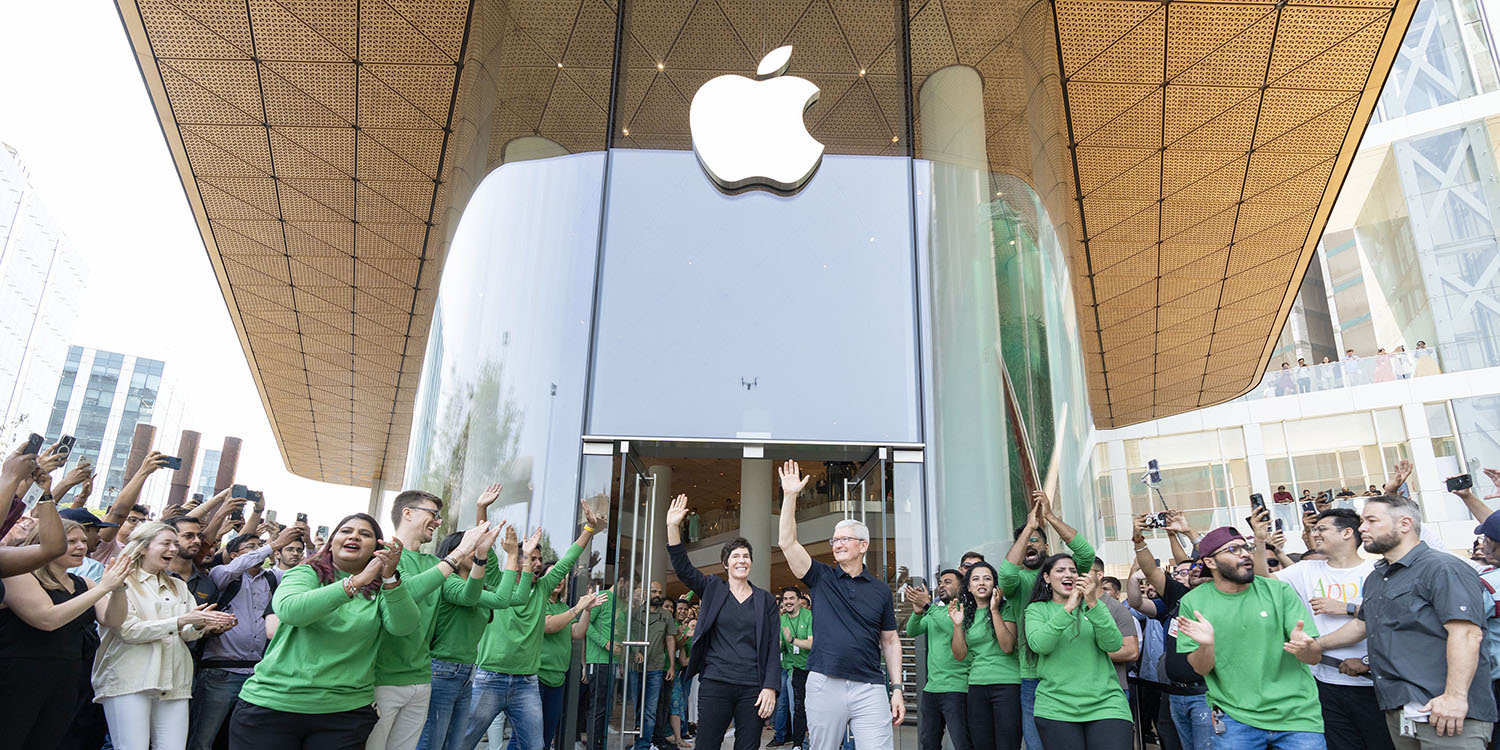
pixel 1190 150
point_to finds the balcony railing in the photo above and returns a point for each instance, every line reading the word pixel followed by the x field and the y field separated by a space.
pixel 1345 373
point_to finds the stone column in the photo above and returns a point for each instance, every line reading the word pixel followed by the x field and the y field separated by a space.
pixel 655 533
pixel 756 520
pixel 229 459
pixel 140 445
pixel 182 479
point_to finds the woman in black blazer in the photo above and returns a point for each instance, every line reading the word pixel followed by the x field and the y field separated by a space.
pixel 736 647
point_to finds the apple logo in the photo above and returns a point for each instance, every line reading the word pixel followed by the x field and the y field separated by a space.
pixel 748 134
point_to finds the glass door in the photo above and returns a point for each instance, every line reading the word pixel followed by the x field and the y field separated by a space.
pixel 635 534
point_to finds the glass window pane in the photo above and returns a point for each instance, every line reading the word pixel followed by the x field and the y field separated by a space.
pixel 1437 420
pixel 1392 427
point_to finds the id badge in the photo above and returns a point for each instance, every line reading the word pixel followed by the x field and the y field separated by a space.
pixel 1408 727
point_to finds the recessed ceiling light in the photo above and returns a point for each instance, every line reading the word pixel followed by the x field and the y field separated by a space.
pixel 661 66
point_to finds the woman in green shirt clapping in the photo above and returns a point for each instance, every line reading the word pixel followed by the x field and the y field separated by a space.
pixel 1079 703
pixel 994 699
pixel 317 681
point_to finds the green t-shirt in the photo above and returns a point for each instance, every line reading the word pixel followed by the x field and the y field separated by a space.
pixel 1016 583
pixel 460 621
pixel 945 674
pixel 512 642
pixel 988 664
pixel 557 650
pixel 793 656
pixel 1254 680
pixel 321 660
pixel 1078 681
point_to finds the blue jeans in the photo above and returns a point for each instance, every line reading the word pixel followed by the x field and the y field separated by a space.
pixel 1028 712
pixel 515 694
pixel 552 705
pixel 782 719
pixel 1239 736
pixel 1194 721
pixel 214 694
pixel 650 701
pixel 448 711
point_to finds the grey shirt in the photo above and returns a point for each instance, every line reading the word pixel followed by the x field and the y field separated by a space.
pixel 1405 605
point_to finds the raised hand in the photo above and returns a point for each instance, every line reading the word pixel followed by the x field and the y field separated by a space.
pixel 677 512
pixel 487 542
pixel 1043 506
pixel 1074 596
pixel 287 536
pixel 78 475
pixel 154 460
pixel 591 519
pixel 1197 629
pixel 956 613
pixel 1177 521
pixel 389 557
pixel 470 540
pixel 918 595
pixel 51 459
pixel 1260 523
pixel 18 465
pixel 532 542
pixel 509 541
pixel 587 602
pixel 996 600
pixel 1278 539
pixel 489 496
pixel 793 481
pixel 1398 477
pixel 1494 475
pixel 115 574
pixel 1090 588
pixel 370 574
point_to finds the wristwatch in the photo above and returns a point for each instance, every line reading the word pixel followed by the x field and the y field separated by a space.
pixel 1351 608
pixel 1365 660
pixel 481 562
pixel 389 581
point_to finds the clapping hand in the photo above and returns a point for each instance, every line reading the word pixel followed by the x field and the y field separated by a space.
pixel 389 557
pixel 1197 629
pixel 532 542
pixel 1300 645
pixel 470 540
pixel 115 574
pixel 918 595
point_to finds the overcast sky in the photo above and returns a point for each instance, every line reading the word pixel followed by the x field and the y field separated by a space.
pixel 73 104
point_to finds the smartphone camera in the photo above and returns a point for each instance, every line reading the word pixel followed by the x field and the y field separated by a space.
pixel 1460 482
pixel 1309 507
pixel 254 496
pixel 1157 520
pixel 65 444
pixel 301 518
pixel 1256 501
pixel 1280 526
pixel 239 492
pixel 171 462
pixel 236 515
pixel 33 445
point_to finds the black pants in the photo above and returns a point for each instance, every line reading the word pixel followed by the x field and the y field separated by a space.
pixel 253 727
pixel 1153 711
pixel 718 704
pixel 995 717
pixel 799 708
pixel 601 700
pixel 1352 720
pixel 40 697
pixel 939 711
pixel 1103 734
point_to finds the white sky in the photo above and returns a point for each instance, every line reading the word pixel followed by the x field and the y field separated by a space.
pixel 73 104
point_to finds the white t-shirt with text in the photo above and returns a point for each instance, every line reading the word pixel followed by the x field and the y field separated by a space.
pixel 1316 578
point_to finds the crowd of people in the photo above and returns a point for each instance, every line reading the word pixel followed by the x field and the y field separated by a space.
pixel 1351 369
pixel 211 628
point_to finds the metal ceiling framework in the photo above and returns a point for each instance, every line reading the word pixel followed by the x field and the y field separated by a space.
pixel 1190 151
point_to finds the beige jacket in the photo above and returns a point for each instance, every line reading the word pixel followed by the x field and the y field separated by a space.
pixel 148 652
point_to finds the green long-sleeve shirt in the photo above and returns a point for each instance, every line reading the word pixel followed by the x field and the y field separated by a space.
pixel 1016 583
pixel 1078 681
pixel 407 661
pixel 557 649
pixel 459 623
pixel 321 660
pixel 512 642
pixel 945 674
pixel 599 637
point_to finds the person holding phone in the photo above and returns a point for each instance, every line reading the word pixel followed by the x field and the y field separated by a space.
pixel 125 513
pixel 738 646
pixel 143 672
pixel 317 679
pixel 46 620
pixel 1079 701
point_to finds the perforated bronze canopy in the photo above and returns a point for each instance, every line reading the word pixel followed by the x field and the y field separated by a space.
pixel 327 148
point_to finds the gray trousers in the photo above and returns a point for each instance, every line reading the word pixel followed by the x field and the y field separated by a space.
pixel 1476 735
pixel 834 703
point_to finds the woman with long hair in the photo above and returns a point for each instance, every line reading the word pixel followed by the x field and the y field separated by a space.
pixel 43 624
pixel 988 638
pixel 1079 702
pixel 143 671
pixel 316 684
pixel 737 644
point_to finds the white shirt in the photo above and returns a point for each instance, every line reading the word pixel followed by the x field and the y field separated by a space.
pixel 1315 578
pixel 148 653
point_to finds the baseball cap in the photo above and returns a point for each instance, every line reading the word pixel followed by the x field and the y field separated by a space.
pixel 1490 527
pixel 84 518
pixel 1215 540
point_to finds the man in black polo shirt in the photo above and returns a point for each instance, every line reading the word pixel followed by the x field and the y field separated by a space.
pixel 855 624
pixel 1424 611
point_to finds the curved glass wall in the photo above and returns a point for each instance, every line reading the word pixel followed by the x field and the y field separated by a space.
pixel 503 386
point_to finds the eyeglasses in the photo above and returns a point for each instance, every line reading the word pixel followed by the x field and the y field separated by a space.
pixel 434 511
pixel 1237 549
pixel 844 540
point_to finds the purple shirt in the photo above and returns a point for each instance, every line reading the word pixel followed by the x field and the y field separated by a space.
pixel 246 641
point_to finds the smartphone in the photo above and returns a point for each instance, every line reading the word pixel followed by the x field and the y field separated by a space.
pixel 65 444
pixel 1256 501
pixel 239 491
pixel 302 518
pixel 1309 507
pixel 270 516
pixel 1279 525
pixel 171 462
pixel 1157 521
pixel 1460 482
pixel 1153 470
pixel 33 445
pixel 322 532
pixel 254 496
pixel 236 515
pixel 197 497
